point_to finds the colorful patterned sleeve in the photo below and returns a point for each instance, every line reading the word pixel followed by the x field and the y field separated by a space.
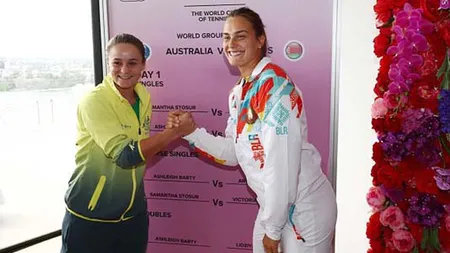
pixel 217 148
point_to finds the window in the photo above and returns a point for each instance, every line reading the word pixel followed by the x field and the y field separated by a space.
pixel 46 64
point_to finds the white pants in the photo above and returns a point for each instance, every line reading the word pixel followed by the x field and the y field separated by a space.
pixel 315 220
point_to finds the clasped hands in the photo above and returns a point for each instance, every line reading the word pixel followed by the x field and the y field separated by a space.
pixel 181 122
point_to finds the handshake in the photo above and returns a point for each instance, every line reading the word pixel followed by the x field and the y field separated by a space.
pixel 181 122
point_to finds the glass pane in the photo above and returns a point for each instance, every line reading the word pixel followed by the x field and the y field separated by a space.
pixel 46 64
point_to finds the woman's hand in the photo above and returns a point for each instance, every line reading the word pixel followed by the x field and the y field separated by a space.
pixel 271 246
pixel 181 122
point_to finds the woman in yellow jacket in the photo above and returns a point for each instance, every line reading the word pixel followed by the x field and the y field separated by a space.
pixel 106 204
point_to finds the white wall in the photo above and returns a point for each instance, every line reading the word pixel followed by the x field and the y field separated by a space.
pixel 358 70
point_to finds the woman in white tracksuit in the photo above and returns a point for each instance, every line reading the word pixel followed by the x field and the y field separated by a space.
pixel 266 135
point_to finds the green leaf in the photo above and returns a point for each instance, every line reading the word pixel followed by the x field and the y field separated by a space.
pixel 424 243
pixel 442 141
pixel 444 67
pixel 446 81
pixel 434 237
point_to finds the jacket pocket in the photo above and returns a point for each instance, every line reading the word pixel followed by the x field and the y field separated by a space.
pixel 97 192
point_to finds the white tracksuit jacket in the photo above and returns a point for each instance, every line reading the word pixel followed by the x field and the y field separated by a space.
pixel 266 135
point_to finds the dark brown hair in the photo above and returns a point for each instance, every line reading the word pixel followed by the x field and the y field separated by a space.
pixel 125 38
pixel 256 22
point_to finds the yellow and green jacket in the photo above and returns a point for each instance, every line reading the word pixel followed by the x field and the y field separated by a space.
pixel 107 184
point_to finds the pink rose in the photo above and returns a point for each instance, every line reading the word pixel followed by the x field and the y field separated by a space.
pixel 393 217
pixel 379 108
pixel 403 240
pixel 447 222
pixel 375 198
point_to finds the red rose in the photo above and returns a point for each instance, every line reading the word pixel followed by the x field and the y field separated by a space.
pixel 387 237
pixel 423 96
pixel 394 124
pixel 409 165
pixel 425 93
pixel 429 9
pixel 437 42
pixel 378 125
pixel 387 124
pixel 444 197
pixel 384 9
pixel 391 249
pixel 374 228
pixel 386 31
pixel 382 41
pixel 374 173
pixel 383 79
pixel 383 12
pixel 389 176
pixel 430 81
pixel 444 30
pixel 382 84
pixel 425 182
pixel 377 152
pixel 376 246
pixel 429 66
pixel 385 63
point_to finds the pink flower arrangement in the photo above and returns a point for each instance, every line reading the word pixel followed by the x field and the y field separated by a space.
pixel 376 198
pixel 379 108
pixel 403 240
pixel 393 217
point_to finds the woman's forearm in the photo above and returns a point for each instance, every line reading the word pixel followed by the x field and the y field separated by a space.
pixel 153 144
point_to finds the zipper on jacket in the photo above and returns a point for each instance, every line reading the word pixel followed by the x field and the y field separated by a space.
pixel 133 194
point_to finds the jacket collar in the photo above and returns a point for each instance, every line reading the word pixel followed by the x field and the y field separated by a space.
pixel 140 90
pixel 259 68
